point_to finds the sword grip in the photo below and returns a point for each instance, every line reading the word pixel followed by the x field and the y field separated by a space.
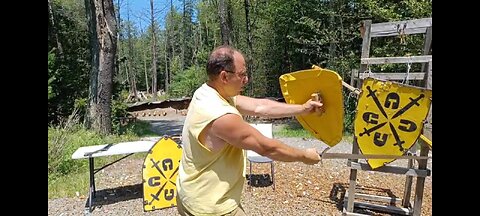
pixel 317 97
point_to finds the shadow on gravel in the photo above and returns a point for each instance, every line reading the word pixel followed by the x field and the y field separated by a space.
pixel 118 194
pixel 259 180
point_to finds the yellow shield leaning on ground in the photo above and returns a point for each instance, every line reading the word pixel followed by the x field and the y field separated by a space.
pixel 160 171
pixel 389 118
pixel 297 88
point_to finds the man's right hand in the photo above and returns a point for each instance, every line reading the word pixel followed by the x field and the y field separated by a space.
pixel 311 156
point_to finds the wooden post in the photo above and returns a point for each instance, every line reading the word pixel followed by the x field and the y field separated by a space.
pixel 354 77
pixel 427 46
pixel 422 164
pixel 366 27
pixel 368 31
pixel 407 191
pixel 353 179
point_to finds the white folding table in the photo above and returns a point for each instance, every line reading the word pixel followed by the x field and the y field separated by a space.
pixel 91 152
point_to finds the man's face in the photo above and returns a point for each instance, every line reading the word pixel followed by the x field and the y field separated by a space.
pixel 238 78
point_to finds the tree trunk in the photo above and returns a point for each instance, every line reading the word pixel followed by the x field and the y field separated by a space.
pixel 154 54
pixel 332 46
pixel 171 39
pixel 118 53
pixel 166 54
pixel 103 33
pixel 250 46
pixel 145 68
pixel 225 29
pixel 54 28
pixel 132 77
pixel 184 35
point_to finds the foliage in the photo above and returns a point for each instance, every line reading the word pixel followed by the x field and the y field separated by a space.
pixel 68 136
pixel 288 35
pixel 70 68
pixel 186 83
pixel 51 73
pixel 67 176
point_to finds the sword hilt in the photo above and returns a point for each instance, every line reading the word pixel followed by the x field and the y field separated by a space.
pixel 321 154
pixel 317 97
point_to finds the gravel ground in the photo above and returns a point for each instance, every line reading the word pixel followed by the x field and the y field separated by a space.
pixel 300 189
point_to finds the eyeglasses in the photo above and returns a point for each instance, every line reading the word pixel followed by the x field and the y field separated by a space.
pixel 242 74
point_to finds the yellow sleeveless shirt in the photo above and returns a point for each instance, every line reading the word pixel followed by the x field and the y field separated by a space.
pixel 209 183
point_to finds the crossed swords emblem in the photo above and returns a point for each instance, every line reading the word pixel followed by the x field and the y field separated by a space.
pixel 157 195
pixel 380 141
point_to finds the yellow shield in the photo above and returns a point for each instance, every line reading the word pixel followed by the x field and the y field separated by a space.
pixel 389 118
pixel 297 88
pixel 160 170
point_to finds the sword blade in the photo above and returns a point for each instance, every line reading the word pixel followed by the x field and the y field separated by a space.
pixel 369 156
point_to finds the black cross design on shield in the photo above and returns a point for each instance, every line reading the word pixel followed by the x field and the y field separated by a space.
pixel 371 118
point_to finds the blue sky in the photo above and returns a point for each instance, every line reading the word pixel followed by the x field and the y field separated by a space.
pixel 140 10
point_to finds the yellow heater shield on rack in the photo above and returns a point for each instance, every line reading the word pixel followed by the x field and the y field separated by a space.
pixel 297 88
pixel 160 171
pixel 389 118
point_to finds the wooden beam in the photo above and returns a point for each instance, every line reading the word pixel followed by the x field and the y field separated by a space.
pixel 419 187
pixel 366 41
pixel 390 169
pixel 393 75
pixel 391 200
pixel 377 207
pixel 407 189
pixel 353 75
pixel 427 46
pixel 396 60
pixel 353 178
pixel 427 128
pixel 416 26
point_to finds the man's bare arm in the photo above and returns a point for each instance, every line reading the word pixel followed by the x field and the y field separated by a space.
pixel 273 109
pixel 236 132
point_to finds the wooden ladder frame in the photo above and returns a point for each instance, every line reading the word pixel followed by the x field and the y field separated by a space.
pixel 399 28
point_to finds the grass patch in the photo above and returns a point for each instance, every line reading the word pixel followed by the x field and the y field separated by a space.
pixel 139 128
pixel 68 185
pixel 295 129
pixel 291 129
pixel 67 176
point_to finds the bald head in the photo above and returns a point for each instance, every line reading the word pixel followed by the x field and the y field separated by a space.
pixel 221 58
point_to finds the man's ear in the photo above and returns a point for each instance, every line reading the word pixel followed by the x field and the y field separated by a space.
pixel 223 76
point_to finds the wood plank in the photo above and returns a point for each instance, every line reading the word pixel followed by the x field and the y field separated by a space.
pixel 366 42
pixel 115 149
pixel 415 26
pixel 429 75
pixel 393 75
pixel 395 32
pixel 422 164
pixel 353 178
pixel 427 46
pixel 388 208
pixel 396 60
pixel 391 200
pixel 427 128
pixel 407 190
pixel 391 169
pixel 353 75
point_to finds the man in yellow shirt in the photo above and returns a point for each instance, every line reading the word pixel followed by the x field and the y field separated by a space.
pixel 211 172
